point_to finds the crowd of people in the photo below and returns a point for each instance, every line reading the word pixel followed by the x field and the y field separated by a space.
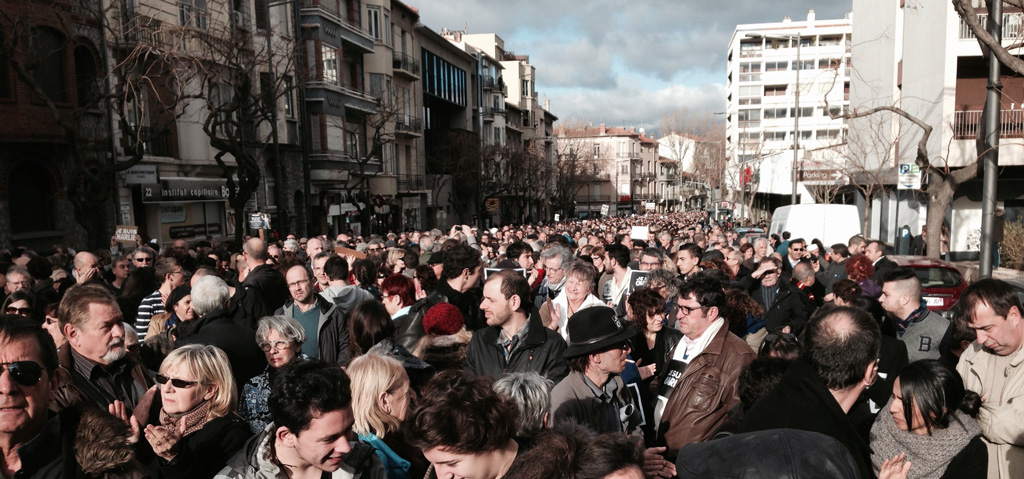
pixel 654 346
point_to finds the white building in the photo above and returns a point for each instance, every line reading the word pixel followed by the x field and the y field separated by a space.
pixel 781 74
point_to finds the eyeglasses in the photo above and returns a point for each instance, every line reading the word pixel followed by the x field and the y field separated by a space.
pixel 373 248
pixel 276 345
pixel 625 345
pixel 25 373
pixel 143 260
pixel 298 283
pixel 687 310
pixel 797 249
pixel 178 383
pixel 19 311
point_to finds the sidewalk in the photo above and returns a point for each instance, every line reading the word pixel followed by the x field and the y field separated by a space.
pixel 970 271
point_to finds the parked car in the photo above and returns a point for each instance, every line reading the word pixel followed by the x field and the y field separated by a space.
pixel 941 282
pixel 830 223
pixel 751 233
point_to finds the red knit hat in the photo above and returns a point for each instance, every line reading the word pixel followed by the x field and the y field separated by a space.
pixel 443 319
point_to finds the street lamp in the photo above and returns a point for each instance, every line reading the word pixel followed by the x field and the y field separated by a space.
pixel 796 110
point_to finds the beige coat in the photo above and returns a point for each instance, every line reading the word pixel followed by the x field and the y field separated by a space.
pixel 1002 423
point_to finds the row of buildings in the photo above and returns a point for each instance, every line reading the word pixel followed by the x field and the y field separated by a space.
pixel 785 78
pixel 328 115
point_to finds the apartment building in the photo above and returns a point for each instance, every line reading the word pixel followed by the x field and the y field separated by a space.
pixel 781 75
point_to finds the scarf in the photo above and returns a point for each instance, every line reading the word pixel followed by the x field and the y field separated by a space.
pixel 193 419
pixel 917 315
pixel 930 455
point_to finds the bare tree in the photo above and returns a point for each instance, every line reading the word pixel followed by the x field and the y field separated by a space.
pixel 576 168
pixel 454 158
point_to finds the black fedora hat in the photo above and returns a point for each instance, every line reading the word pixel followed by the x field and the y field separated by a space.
pixel 593 329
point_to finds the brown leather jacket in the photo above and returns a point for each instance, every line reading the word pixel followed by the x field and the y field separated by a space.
pixel 73 388
pixel 705 393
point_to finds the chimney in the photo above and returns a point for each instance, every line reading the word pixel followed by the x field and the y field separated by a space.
pixel 810 16
pixel 601 129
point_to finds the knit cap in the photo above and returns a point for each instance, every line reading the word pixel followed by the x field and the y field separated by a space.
pixel 443 319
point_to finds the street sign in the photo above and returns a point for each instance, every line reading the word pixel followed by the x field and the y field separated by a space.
pixel 824 177
pixel 909 177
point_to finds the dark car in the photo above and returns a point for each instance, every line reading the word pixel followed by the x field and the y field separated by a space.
pixel 941 282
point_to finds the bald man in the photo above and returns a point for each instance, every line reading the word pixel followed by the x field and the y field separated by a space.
pixel 87 269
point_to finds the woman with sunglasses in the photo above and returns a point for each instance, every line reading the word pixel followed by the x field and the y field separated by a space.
pixel 191 429
pixel 929 427
pixel 280 338
pixel 21 303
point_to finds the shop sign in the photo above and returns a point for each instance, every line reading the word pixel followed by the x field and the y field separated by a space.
pixel 185 190
pixel 191 231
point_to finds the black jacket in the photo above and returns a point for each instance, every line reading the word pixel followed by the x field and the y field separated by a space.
pixel 541 352
pixel 409 328
pixel 802 401
pixel 331 332
pixel 787 453
pixel 882 268
pixel 267 284
pixel 202 453
pixel 238 343
pixel 787 310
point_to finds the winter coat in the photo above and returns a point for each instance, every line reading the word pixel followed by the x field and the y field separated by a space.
pixel 265 291
pixel 73 388
pixel 1002 414
pixel 787 309
pixel 255 460
pixel 573 400
pixel 540 352
pixel 444 352
pixel 331 331
pixel 218 329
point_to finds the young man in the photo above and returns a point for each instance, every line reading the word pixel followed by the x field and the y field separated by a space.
pixel 311 436
pixel 918 327
pixel 171 275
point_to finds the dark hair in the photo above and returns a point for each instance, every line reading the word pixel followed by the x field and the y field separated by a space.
pixel 427 278
pixel 29 297
pixel 555 453
pixel 839 344
pixel 619 253
pixel 738 307
pixel 461 414
pixel 304 389
pixel 411 258
pixel 365 272
pixel 997 294
pixel 706 290
pixel 798 240
pixel 457 259
pixel 610 453
pixel 368 324
pixel 841 250
pixel 847 289
pixel 692 249
pixel 938 391
pixel 336 268
pixel 885 323
pixel 401 286
pixel 644 302
pixel 760 377
pixel 786 235
pixel 900 274
pixel 13 328
pixel 514 284
pixel 780 345
pixel 578 363
pixel 515 250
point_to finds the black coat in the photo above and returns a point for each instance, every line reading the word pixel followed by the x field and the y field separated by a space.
pixel 267 284
pixel 787 310
pixel 202 453
pixel 882 268
pixel 541 352
pixel 802 401
pixel 218 329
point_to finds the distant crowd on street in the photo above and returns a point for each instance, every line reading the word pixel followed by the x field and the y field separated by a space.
pixel 644 346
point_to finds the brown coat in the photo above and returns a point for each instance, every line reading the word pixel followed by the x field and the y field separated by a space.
pixel 74 389
pixel 705 393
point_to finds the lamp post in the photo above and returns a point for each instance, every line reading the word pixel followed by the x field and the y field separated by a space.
pixel 796 110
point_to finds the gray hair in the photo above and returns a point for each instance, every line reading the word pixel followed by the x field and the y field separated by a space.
pixel 583 271
pixel 209 293
pixel 291 245
pixel 288 328
pixel 145 250
pixel 323 254
pixel 561 252
pixel 531 393
pixel 656 276
pixel 21 270
pixel 761 240
pixel 130 333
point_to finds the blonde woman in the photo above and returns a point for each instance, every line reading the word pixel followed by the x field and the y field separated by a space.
pixel 381 396
pixel 191 429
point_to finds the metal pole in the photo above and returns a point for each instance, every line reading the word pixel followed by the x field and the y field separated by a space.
pixel 991 159
pixel 273 107
pixel 300 87
pixel 796 121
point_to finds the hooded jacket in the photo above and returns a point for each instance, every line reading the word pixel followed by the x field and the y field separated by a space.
pixel 331 330
pixel 256 461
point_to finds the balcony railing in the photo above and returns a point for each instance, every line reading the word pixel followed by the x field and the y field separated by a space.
pixel 411 182
pixel 406 63
pixel 487 82
pixel 627 154
pixel 965 124
pixel 155 141
pixel 408 124
pixel 1011 27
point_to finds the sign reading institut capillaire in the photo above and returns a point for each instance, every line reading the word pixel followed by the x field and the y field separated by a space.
pixel 185 190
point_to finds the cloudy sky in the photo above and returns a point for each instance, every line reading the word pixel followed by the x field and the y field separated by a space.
pixel 621 63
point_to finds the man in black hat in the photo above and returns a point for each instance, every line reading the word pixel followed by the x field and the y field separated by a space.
pixel 593 394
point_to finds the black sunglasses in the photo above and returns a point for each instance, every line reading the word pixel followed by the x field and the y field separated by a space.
pixel 19 311
pixel 178 383
pixel 25 373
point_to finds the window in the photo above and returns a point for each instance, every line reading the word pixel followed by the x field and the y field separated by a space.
pixel 48 51
pixel 805 134
pixel 750 67
pixel 829 40
pixel 526 88
pixel 776 66
pixel 377 84
pixel 834 109
pixel 259 10
pixel 751 90
pixel 373 18
pixel 329 64
pixel 807 41
pixel 353 144
pixel 750 101
pixel 289 106
pixel 597 150
pixel 220 100
pixel 624 169
pixel 804 111
pixel 773 113
pixel 828 64
pixel 497 136
pixel 267 92
pixel 85 77
pixel 775 90
pixel 775 136
pixel 192 13
pixel 804 65
pixel 832 134
pixel 749 118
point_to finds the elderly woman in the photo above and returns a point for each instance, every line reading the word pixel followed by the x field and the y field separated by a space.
pixel 191 429
pixel 381 396
pixel 531 394
pixel 281 340
pixel 576 295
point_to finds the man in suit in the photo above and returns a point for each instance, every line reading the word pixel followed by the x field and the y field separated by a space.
pixel 875 251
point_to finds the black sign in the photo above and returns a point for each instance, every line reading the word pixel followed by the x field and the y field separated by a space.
pixel 169 190
pixel 637 279
pixel 191 231
pixel 489 271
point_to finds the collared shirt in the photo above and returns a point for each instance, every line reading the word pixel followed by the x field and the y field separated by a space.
pixel 607 408
pixel 113 382
pixel 507 344
pixel 401 312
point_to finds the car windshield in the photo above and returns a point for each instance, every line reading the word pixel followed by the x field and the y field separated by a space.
pixel 938 277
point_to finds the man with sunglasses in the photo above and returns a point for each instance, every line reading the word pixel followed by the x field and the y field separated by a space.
pixel 97 366
pixel 143 257
pixel 796 253
pixel 28 383
pixel 699 384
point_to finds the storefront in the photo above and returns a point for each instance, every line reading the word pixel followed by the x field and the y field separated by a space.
pixel 186 208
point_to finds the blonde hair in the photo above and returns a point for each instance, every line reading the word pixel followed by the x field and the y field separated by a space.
pixel 395 254
pixel 372 374
pixel 209 366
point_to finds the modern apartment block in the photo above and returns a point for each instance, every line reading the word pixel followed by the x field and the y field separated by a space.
pixel 924 58
pixel 780 77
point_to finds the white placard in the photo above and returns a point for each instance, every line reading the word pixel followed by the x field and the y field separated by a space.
pixel 640 232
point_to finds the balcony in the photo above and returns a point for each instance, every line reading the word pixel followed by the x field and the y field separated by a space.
pixel 593 198
pixel 489 112
pixel 965 124
pixel 487 82
pixel 330 26
pixel 405 64
pixel 334 99
pixel 1011 27
pixel 140 29
pixel 155 141
pixel 410 125
pixel 411 182
pixel 625 155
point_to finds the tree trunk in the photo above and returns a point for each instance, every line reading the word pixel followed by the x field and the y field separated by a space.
pixel 940 194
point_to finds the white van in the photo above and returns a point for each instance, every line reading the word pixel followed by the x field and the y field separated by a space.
pixel 830 223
